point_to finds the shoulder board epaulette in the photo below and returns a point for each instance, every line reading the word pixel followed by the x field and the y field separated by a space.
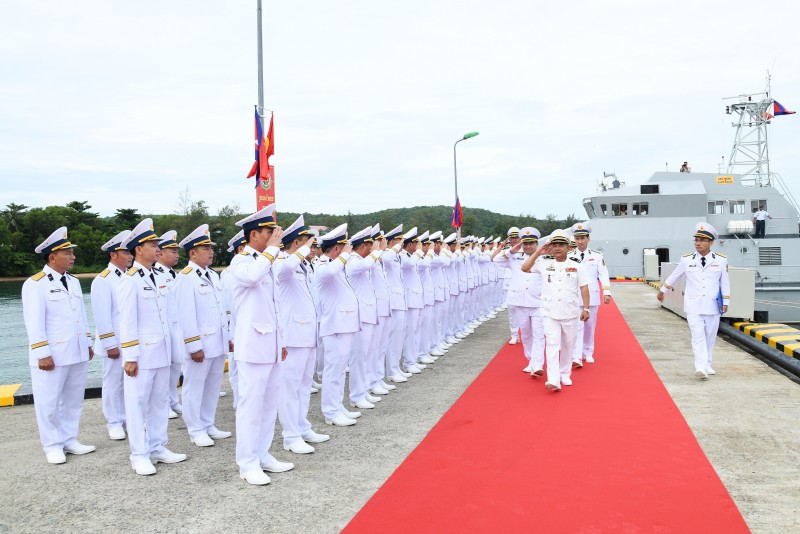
pixel 687 255
pixel 186 270
pixel 576 260
pixel 132 271
pixel 721 255
pixel 38 276
pixel 104 273
pixel 244 253
pixel 547 257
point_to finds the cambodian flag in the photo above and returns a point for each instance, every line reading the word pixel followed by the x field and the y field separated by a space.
pixel 458 215
pixel 264 149
pixel 778 109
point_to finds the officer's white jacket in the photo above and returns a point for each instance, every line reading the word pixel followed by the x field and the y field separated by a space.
pixel 55 319
pixel 595 266
pixel 203 317
pixel 412 280
pixel 380 284
pixel 525 289
pixel 461 270
pixel 358 271
pixel 297 311
pixel 338 303
pixel 394 276
pixel 482 262
pixel 105 309
pixel 703 284
pixel 492 266
pixel 561 282
pixel 438 263
pixel 424 270
pixel 471 268
pixel 258 335
pixel 451 272
pixel 143 330
pixel 169 278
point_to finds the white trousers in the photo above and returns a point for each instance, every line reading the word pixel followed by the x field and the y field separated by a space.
pixel 380 340
pixel 559 337
pixel 704 337
pixel 439 309
pixel 425 331
pixel 337 351
pixel 584 339
pixel 113 392
pixel 298 371
pixel 259 392
pixel 394 344
pixel 201 385
pixel 147 405
pixel 233 377
pixel 358 362
pixel 178 352
pixel 531 327
pixel 58 401
pixel 411 338
pixel 513 325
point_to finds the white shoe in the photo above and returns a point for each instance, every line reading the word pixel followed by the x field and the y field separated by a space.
pixel 178 408
pixel 363 404
pixel 276 466
pixel 702 375
pixel 313 437
pixel 372 398
pixel 144 467
pixel 473 325
pixel 79 448
pixel 426 359
pixel 299 447
pixel 436 352
pixel 444 345
pixel 461 335
pixel 202 440
pixel 413 369
pixel 256 477
pixel 451 339
pixel 380 390
pixel 314 390
pixel 536 373
pixel 552 387
pixel 419 365
pixel 589 359
pixel 513 341
pixel 56 457
pixel 173 414
pixel 566 381
pixel 216 433
pixel 166 456
pixel 341 420
pixel 223 393
pixel 483 318
pixel 577 364
pixel 492 315
pixel 117 433
pixel 527 369
pixel 498 309
pixel 352 415
pixel 404 374
pixel 710 371
pixel 387 387
pixel 398 378
pixel 316 385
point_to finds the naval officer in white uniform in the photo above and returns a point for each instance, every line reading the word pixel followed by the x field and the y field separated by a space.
pixel 203 321
pixel 164 269
pixel 60 348
pixel 235 246
pixel 397 299
pixel 706 296
pixel 145 341
pixel 259 346
pixel 106 342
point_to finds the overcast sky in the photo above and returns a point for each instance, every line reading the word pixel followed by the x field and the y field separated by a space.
pixel 125 104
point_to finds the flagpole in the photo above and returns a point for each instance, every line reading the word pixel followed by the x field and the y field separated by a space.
pixel 260 71
pixel 455 172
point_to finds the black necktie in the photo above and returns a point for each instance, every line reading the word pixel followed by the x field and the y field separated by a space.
pixel 703 261
pixel 208 276
pixel 581 256
pixel 153 278
pixel 303 265
pixel 172 272
pixel 64 281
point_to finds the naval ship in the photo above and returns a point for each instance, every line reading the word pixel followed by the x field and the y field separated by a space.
pixel 658 216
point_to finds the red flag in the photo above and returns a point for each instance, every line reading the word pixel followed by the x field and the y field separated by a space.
pixel 778 109
pixel 458 215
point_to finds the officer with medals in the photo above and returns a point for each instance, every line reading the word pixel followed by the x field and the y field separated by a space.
pixel 146 346
pixel 595 265
pixel 258 344
pixel 512 239
pixel 106 343
pixel 164 270
pixel 397 299
pixel 203 322
pixel 706 295
pixel 59 348
pixel 377 368
pixel 298 318
pixel 235 246
pixel 564 290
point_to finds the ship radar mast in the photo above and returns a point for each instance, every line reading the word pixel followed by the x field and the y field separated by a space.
pixel 609 181
pixel 750 152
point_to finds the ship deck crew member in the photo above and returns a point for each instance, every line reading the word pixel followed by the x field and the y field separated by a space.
pixel 565 287
pixel 59 348
pixel 258 344
pixel 297 314
pixel 595 266
pixel 235 246
pixel 524 298
pixel 397 299
pixel 415 302
pixel 358 270
pixel 707 283
pixel 203 324
pixel 377 369
pixel 106 342
pixel 760 220
pixel 145 341
pixel 339 323
pixel 164 268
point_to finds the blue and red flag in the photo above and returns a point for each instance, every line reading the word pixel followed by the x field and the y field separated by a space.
pixel 778 109
pixel 458 216
pixel 264 148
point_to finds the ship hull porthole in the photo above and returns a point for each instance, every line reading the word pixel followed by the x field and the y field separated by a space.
pixel 625 251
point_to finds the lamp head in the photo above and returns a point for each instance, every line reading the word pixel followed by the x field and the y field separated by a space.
pixel 471 134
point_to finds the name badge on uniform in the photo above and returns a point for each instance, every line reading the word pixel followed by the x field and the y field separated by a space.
pixel 55 290
pixel 148 288
pixel 203 285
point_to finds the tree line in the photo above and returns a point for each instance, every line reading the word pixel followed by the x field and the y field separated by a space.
pixel 22 227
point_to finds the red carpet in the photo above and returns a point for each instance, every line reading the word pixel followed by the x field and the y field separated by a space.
pixel 610 454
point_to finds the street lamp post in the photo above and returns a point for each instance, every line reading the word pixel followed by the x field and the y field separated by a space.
pixel 455 169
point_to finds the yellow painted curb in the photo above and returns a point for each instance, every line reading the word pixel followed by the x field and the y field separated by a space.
pixel 7 394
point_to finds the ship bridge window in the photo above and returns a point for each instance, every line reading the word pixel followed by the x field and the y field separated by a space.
pixel 619 210
pixel 639 208
pixel 716 207
pixel 754 204
pixel 737 206
pixel 589 209
pixel 604 209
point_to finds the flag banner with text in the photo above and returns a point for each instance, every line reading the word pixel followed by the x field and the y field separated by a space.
pixel 262 171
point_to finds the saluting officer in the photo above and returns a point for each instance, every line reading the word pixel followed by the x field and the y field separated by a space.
pixel 106 342
pixel 203 322
pixel 513 239
pixel 165 272
pixel 59 341
pixel 707 283
pixel 414 301
pixel 145 342
pixel 397 299
pixel 377 371
pixel 235 246
pixel 595 266
pixel 258 344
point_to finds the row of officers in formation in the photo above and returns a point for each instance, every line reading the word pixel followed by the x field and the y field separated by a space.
pixel 381 306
